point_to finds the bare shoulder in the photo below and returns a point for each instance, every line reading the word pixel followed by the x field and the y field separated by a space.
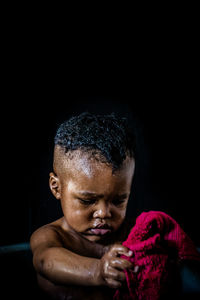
pixel 48 235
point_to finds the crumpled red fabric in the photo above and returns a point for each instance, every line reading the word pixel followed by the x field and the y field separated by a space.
pixel 158 242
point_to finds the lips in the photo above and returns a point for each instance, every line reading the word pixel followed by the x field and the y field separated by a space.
pixel 100 229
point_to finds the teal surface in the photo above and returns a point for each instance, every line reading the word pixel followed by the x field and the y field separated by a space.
pixel 14 248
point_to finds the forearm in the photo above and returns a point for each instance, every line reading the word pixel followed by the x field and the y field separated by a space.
pixel 64 267
pixel 75 292
pixel 78 244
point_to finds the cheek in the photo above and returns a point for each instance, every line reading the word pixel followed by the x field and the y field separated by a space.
pixel 118 216
pixel 121 209
pixel 76 216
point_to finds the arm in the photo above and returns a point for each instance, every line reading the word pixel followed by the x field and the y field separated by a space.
pixel 64 267
pixel 60 265
pixel 81 246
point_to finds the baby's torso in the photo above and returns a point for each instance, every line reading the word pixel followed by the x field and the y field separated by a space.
pixel 79 245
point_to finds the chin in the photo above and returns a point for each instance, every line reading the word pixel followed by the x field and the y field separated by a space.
pixel 102 239
pixel 93 238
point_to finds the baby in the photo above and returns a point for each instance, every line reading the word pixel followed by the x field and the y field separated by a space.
pixel 78 255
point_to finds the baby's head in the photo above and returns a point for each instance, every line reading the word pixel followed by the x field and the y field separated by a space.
pixel 92 173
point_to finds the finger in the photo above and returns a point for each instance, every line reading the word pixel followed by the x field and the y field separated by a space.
pixel 115 274
pixel 121 264
pixel 120 250
pixel 113 283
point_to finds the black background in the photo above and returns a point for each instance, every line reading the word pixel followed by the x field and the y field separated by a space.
pixel 167 168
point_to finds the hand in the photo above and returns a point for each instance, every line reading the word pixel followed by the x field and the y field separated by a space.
pixel 112 266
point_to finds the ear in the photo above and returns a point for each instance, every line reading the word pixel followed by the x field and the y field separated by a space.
pixel 54 184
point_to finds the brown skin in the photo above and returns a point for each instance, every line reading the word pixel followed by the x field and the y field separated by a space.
pixel 76 249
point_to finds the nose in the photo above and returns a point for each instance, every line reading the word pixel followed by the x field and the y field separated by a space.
pixel 102 210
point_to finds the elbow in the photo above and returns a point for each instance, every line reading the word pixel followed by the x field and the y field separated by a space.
pixel 43 263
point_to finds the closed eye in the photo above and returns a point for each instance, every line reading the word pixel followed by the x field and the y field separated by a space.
pixel 118 201
pixel 86 201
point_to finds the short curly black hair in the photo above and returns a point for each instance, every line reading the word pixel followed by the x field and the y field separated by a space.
pixel 107 137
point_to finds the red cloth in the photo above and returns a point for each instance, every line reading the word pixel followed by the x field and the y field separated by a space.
pixel 156 240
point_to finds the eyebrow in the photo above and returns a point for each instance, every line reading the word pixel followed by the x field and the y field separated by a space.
pixel 95 195
pixel 89 194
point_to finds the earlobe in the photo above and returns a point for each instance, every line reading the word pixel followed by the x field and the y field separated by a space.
pixel 54 185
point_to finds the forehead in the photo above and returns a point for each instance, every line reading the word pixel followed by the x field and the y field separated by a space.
pixel 86 172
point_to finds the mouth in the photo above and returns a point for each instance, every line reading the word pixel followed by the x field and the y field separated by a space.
pixel 99 230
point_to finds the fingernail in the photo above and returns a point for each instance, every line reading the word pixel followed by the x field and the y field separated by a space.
pixel 130 252
pixel 136 268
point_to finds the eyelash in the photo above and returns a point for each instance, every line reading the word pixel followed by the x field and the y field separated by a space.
pixel 118 202
pixel 89 202
pixel 86 202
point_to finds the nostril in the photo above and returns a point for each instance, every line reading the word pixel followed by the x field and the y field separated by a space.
pixel 102 213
